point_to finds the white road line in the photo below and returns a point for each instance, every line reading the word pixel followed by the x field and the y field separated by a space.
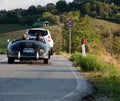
pixel 82 88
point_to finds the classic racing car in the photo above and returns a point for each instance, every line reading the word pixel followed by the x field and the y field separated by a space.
pixel 28 50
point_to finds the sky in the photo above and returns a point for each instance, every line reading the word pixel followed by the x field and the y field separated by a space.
pixel 13 4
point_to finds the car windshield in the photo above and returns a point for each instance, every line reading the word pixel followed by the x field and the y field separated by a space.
pixel 34 32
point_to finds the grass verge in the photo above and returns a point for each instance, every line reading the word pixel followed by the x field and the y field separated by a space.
pixel 105 77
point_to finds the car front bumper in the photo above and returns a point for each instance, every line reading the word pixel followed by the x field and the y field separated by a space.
pixel 36 56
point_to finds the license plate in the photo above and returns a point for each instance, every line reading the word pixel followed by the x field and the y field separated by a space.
pixel 28 50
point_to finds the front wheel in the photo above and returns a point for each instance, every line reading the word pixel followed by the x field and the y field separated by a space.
pixel 11 60
pixel 51 51
pixel 49 55
pixel 45 61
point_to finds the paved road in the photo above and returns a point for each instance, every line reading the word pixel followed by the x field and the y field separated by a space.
pixel 35 81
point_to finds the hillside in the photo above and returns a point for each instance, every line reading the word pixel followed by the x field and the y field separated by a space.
pixel 4 28
pixel 104 27
pixel 110 36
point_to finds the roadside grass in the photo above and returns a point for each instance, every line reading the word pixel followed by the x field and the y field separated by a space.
pixel 105 77
pixel 108 86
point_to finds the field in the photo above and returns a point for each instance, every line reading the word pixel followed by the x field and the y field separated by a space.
pixel 4 28
pixel 10 31
pixel 10 35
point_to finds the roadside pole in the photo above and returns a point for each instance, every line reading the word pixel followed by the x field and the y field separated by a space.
pixel 83 50
pixel 69 24
pixel 83 41
pixel 69 40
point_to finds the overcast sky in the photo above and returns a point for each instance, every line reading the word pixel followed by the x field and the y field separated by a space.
pixel 13 4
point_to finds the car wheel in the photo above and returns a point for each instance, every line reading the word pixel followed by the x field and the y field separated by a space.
pixel 45 61
pixel 49 55
pixel 11 60
pixel 51 51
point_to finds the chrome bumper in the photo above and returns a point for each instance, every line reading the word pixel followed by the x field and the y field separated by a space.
pixel 32 57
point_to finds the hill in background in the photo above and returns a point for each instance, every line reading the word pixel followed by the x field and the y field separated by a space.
pixel 4 28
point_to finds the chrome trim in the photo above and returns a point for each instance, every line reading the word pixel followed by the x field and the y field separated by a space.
pixel 37 55
pixel 19 55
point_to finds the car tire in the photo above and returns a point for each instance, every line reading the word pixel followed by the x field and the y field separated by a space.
pixel 49 54
pixel 51 51
pixel 45 61
pixel 11 60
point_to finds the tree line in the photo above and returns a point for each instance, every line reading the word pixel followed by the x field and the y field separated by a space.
pixel 104 9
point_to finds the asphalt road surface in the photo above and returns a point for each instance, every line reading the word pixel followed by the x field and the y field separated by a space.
pixel 34 81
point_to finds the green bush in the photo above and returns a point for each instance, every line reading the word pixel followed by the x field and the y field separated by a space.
pixel 75 56
pixel 107 80
pixel 91 62
pixel 108 86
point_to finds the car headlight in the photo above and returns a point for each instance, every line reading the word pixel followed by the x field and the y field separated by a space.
pixel 41 51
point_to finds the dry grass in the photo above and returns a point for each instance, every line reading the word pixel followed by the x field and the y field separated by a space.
pixel 107 29
pixel 110 59
pixel 102 24
pixel 67 55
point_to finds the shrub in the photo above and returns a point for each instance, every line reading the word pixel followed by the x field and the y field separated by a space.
pixel 91 62
pixel 75 56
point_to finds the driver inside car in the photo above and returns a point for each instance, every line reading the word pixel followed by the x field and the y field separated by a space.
pixel 39 37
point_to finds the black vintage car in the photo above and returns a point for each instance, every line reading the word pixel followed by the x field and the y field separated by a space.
pixel 28 50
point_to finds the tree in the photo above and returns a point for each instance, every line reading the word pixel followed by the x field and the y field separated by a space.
pixel 82 29
pixel 11 17
pixel 41 9
pixel 53 19
pixel 32 10
pixel 51 8
pixel 86 9
pixel 80 1
pixel 2 16
pixel 62 6
pixel 73 6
